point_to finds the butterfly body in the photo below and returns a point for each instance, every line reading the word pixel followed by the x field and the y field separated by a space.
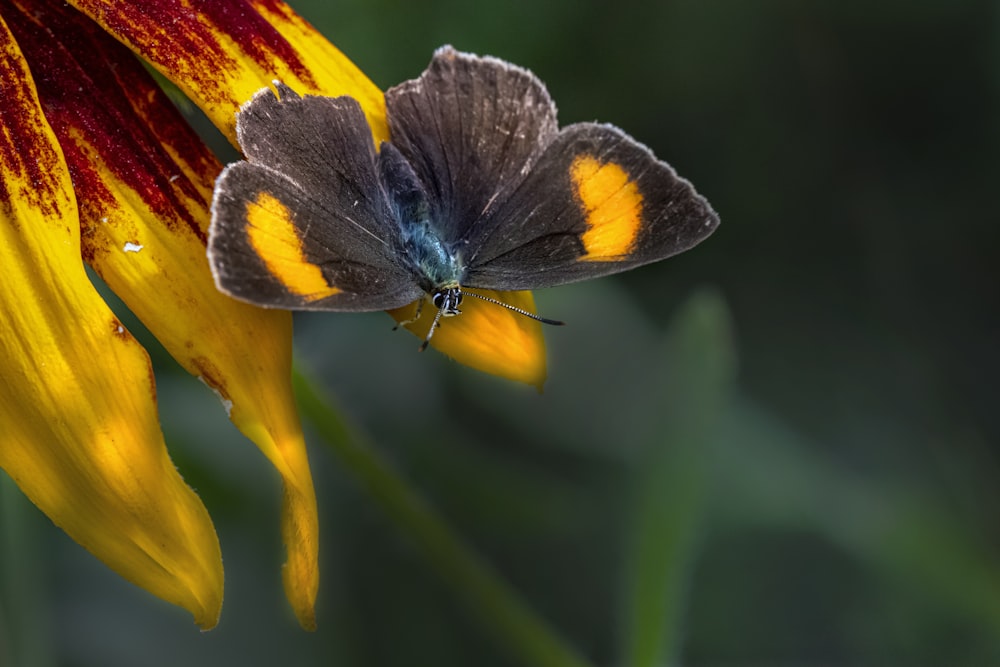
pixel 477 188
pixel 432 260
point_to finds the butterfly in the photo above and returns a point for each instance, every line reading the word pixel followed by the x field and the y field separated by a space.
pixel 478 189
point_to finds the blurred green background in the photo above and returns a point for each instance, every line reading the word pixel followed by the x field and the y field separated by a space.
pixel 779 448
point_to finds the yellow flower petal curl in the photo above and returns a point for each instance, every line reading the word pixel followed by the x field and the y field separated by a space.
pixel 144 180
pixel 486 336
pixel 80 434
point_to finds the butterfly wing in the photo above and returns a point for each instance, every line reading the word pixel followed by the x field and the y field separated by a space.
pixel 596 202
pixel 471 127
pixel 303 223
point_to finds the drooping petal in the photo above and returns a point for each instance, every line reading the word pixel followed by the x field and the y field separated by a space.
pixel 488 337
pixel 77 402
pixel 144 180
pixel 222 51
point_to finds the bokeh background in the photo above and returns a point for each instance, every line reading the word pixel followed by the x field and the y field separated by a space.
pixel 779 448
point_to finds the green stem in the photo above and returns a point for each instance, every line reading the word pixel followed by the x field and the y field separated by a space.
pixel 501 611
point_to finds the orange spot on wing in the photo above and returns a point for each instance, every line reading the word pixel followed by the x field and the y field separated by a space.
pixel 612 204
pixel 273 236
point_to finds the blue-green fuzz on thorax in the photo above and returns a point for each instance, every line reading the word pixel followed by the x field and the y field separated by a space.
pixel 435 264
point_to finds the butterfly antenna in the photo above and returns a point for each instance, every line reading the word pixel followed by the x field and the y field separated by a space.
pixel 520 311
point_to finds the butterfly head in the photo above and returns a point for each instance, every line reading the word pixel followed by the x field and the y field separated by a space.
pixel 447 300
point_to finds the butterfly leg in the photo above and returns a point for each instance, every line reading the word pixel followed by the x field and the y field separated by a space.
pixel 416 315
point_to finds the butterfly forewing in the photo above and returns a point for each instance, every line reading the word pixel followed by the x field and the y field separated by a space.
pixel 471 127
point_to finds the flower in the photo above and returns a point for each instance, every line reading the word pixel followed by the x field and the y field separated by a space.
pixel 97 163
pixel 221 52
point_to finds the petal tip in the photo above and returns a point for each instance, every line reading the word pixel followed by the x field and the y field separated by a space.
pixel 303 601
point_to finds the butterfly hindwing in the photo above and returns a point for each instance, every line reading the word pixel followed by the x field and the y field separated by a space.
pixel 471 127
pixel 304 223
pixel 596 202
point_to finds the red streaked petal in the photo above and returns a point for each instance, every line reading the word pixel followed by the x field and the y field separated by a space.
pixel 220 52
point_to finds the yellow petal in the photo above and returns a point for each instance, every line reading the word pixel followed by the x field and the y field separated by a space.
pixel 77 402
pixel 144 181
pixel 223 53
pixel 487 337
